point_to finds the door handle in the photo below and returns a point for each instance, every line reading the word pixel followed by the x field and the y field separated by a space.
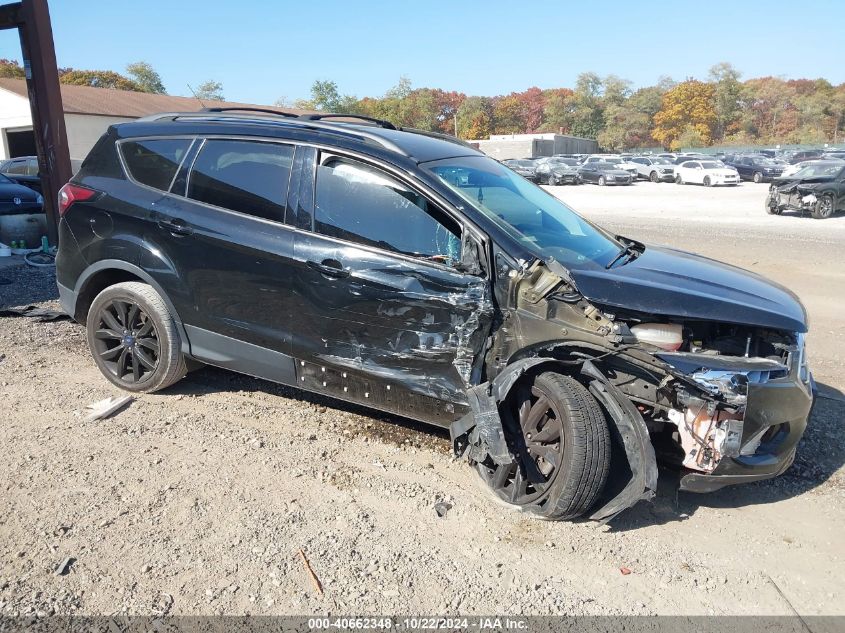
pixel 329 267
pixel 176 227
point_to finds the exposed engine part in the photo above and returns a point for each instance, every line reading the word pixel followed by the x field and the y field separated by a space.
pixel 706 437
pixel 666 336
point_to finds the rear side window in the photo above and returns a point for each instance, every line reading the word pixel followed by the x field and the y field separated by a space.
pixel 154 162
pixel 245 176
pixel 360 204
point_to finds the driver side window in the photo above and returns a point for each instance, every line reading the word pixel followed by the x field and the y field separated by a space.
pixel 358 203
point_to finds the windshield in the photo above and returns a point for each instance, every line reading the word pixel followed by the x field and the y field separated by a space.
pixel 612 161
pixel 711 165
pixel 533 217
pixel 564 161
pixel 521 163
pixel 818 169
pixel 661 161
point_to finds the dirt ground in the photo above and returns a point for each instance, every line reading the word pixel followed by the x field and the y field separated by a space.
pixel 197 500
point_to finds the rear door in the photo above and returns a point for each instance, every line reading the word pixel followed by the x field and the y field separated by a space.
pixel 219 247
pixel 385 311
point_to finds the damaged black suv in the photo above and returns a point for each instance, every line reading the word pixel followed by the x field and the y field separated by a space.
pixel 408 272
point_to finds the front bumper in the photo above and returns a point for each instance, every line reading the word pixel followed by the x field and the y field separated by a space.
pixel 780 408
pixel 793 200
pixel 725 180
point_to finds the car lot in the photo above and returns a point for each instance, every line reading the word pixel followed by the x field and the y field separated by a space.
pixel 198 499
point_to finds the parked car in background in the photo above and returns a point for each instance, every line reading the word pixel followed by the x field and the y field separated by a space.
pixel 682 158
pixel 557 171
pixel 654 168
pixel 523 166
pixel 603 173
pixel 818 188
pixel 709 173
pixel 614 159
pixel 24 170
pixel 791 170
pixel 22 216
pixel 757 168
pixel 802 155
pixel 20 166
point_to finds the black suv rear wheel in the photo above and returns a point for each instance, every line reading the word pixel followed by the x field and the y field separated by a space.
pixel 560 436
pixel 134 339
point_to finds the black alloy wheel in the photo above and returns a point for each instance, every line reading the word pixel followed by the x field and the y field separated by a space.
pixel 558 436
pixel 540 451
pixel 127 342
pixel 823 208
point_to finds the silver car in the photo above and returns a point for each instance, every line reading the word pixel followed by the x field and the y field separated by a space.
pixel 654 168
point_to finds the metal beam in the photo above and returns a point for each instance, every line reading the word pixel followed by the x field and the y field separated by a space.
pixel 10 15
pixel 45 102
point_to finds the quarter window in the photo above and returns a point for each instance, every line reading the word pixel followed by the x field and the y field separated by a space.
pixel 360 204
pixel 154 162
pixel 246 176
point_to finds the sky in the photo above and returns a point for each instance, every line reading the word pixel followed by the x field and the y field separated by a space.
pixel 262 50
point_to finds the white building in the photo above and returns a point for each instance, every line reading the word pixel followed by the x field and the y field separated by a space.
pixel 88 113
pixel 503 146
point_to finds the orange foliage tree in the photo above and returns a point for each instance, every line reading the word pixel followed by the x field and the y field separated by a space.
pixel 689 106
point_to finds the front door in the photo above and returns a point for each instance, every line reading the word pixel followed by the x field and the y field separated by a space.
pixel 385 312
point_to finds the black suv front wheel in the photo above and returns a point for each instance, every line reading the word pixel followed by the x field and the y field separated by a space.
pixel 560 436
pixel 134 339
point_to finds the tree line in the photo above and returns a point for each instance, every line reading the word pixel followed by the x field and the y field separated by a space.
pixel 140 77
pixel 721 109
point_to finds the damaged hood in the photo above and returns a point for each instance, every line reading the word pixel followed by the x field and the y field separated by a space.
pixel 788 183
pixel 668 282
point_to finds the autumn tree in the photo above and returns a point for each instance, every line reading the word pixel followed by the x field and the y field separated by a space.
pixel 689 104
pixel 558 109
pixel 508 116
pixel 210 90
pixel 326 97
pixel 586 107
pixel 475 118
pixel 99 79
pixel 10 68
pixel 145 76
pixel 727 94
pixel 533 104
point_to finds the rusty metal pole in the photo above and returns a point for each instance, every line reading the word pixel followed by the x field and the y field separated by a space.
pixel 45 102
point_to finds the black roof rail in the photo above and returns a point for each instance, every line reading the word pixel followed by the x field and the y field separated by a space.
pixel 379 122
pixel 248 109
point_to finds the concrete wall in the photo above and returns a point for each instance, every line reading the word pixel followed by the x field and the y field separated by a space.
pixel 84 130
pixel 501 146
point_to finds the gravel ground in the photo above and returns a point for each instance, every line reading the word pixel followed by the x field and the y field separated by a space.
pixel 198 500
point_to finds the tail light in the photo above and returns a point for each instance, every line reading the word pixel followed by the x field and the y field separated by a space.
pixel 71 193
